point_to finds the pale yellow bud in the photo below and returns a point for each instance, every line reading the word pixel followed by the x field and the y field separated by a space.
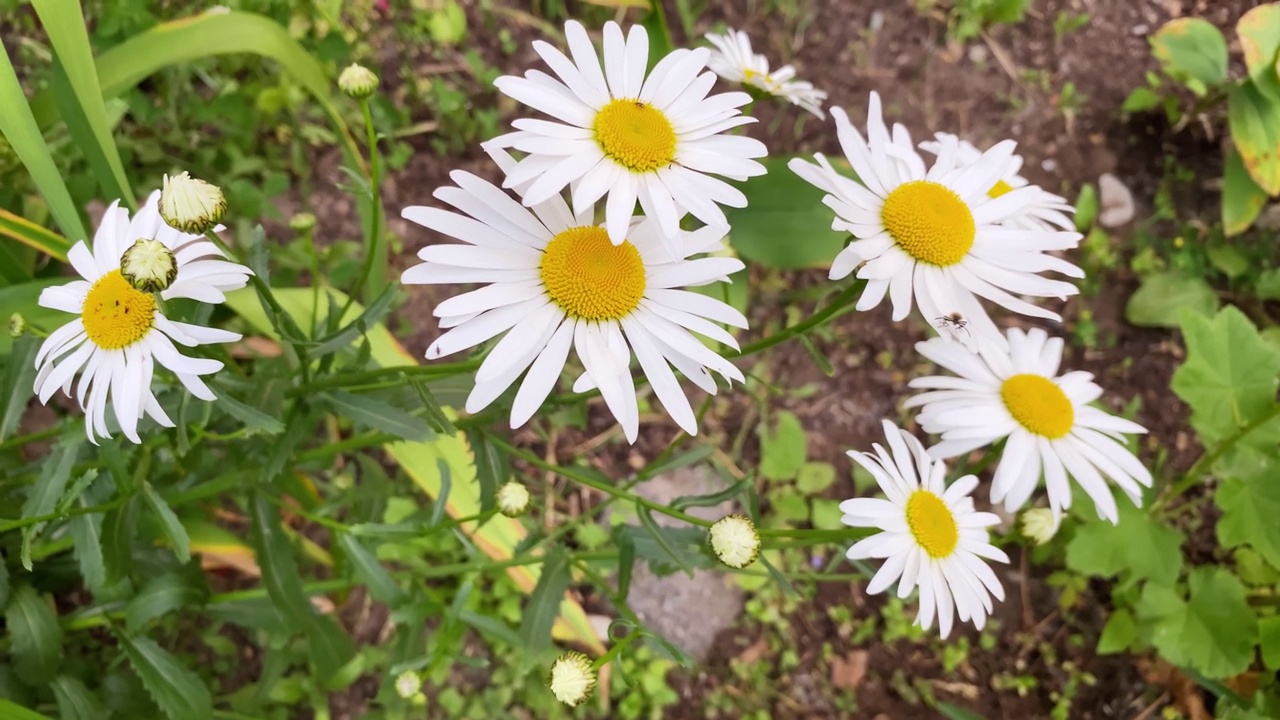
pixel 191 205
pixel 572 678
pixel 735 541
pixel 149 266
pixel 1041 524
pixel 513 499
pixel 357 81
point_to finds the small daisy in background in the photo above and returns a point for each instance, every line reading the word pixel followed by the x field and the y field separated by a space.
pixel 734 61
pixel 931 537
pixel 933 235
pixel 121 332
pixel 1045 211
pixel 554 281
pixel 624 136
pixel 1052 431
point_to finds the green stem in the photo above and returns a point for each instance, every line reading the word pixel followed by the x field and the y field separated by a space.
pixel 614 651
pixel 1204 464
pixel 839 303
pixel 21 440
pixel 375 211
pixel 347 380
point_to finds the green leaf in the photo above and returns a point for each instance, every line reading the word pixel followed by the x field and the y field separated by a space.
pixel 815 477
pixel 1229 260
pixel 330 650
pixel 784 224
pixel 86 531
pixel 75 702
pixel 279 569
pixel 35 638
pixel 1138 545
pixel 626 563
pixel 1213 631
pixel 711 499
pixel 366 566
pixel 169 523
pixel 43 496
pixel 491 468
pixel 119 528
pixel 1118 634
pixel 668 549
pixel 162 595
pixel 1269 640
pixel 1242 198
pixel 10 710
pixel 782 451
pixel 4 585
pixel 79 95
pixel 16 386
pixel 378 415
pixel 32 236
pixel 1191 48
pixel 1259 32
pixel 368 318
pixel 1229 377
pixel 178 691
pixel 1141 99
pixel 543 607
pixel 255 421
pixel 1254 120
pixel 1249 497
pixel 19 127
pixel 955 712
pixel 1162 297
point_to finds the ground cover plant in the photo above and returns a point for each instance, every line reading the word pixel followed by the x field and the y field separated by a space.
pixel 639 360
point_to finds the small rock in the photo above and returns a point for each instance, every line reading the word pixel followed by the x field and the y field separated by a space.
pixel 1049 165
pixel 847 672
pixel 1141 30
pixel 1116 202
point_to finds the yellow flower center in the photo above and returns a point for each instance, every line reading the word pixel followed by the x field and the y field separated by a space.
pixel 635 135
pixel 116 315
pixel 1000 188
pixel 929 221
pixel 932 524
pixel 590 277
pixel 1039 405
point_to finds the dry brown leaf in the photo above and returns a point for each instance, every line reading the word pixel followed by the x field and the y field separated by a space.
pixel 755 651
pixel 847 672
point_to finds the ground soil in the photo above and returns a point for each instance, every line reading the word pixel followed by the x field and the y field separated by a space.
pixel 1006 84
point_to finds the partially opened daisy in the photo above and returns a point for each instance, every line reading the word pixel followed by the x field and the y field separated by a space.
pixel 1045 211
pixel 617 132
pixel 553 281
pixel 934 235
pixel 121 333
pixel 1052 431
pixel 734 61
pixel 931 537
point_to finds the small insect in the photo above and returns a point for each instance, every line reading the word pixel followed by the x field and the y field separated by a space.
pixel 639 104
pixel 953 320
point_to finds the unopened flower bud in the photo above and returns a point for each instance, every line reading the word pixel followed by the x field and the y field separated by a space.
pixel 572 678
pixel 302 222
pixel 149 266
pixel 1041 524
pixel 513 499
pixel 357 81
pixel 191 205
pixel 408 684
pixel 17 325
pixel 735 541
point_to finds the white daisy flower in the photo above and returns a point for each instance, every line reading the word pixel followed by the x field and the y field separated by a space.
pixel 1051 429
pixel 1045 211
pixel 121 332
pixel 555 281
pixel 933 234
pixel 931 537
pixel 735 62
pixel 621 134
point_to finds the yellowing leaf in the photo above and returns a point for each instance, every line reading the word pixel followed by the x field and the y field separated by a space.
pixel 1254 119
pixel 1242 198
pixel 1191 49
pixel 1259 32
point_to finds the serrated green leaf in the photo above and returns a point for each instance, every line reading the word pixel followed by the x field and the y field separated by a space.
pixel 543 607
pixel 1269 640
pixel 784 448
pixel 1191 48
pixel 255 421
pixel 1118 634
pixel 86 531
pixel 378 415
pixel 163 595
pixel 279 568
pixel 1242 197
pixel 491 468
pixel 73 493
pixel 784 224
pixel 16 389
pixel 169 523
pixel 1213 631
pixel 178 692
pixel 371 572
pixel 711 499
pixel 1259 32
pixel 43 496
pixel 75 702
pixel 1162 297
pixel 1249 497
pixel 1138 546
pixel 681 547
pixel 35 638
pixel 1229 377
pixel 370 316
pixel 119 528
pixel 1254 120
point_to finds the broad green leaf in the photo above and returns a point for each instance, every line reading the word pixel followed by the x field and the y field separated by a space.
pixel 1213 631
pixel 75 702
pixel 1162 297
pixel 1191 48
pixel 1268 288
pixel 1138 545
pixel 10 710
pixel 1269 640
pixel 32 235
pixel 655 22
pixel 169 523
pixel 19 127
pixel 543 606
pixel 815 477
pixel 16 383
pixel 784 225
pixel 378 415
pixel 1229 377
pixel 35 638
pixel 1254 119
pixel 1242 197
pixel 1229 260
pixel 1118 634
pixel 1259 32
pixel 79 94
pixel 279 568
pixel 86 530
pixel 1249 497
pixel 179 692
pixel 162 595
pixel 43 496
pixel 784 448
pixel 366 566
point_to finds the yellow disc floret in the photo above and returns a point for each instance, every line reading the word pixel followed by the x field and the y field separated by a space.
pixel 1000 188
pixel 1039 405
pixel 930 222
pixel 636 135
pixel 590 277
pixel 932 524
pixel 116 315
